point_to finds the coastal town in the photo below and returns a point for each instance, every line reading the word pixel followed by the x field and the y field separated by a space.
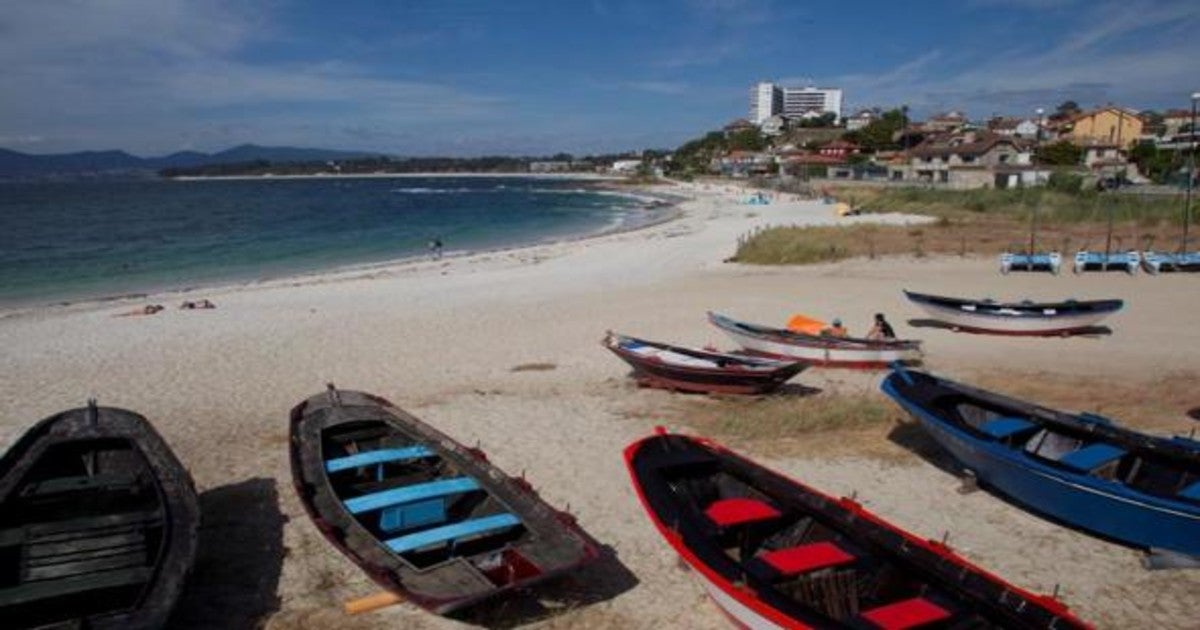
pixel 803 133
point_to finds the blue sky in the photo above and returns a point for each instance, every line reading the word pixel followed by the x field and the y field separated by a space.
pixel 474 78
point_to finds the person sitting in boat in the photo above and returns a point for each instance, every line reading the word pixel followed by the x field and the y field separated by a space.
pixel 836 329
pixel 881 329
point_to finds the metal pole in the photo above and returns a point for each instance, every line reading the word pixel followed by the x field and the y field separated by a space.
pixel 1034 217
pixel 1187 204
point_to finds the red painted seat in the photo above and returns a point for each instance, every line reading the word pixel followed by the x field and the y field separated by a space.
pixel 805 558
pixel 909 613
pixel 736 511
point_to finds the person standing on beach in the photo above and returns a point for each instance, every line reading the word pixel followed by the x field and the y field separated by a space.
pixel 435 249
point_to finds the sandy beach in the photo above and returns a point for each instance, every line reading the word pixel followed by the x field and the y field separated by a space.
pixel 446 340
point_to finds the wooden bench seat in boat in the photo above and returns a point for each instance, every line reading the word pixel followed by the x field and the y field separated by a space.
pixel 381 456
pixel 908 613
pixel 453 532
pixel 792 561
pixel 78 555
pixel 1001 428
pixel 1092 456
pixel 411 494
pixel 739 511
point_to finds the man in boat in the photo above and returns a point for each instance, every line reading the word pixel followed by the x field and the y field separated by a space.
pixel 836 329
pixel 882 329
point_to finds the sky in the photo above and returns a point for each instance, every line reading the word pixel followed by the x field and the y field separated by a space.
pixel 469 78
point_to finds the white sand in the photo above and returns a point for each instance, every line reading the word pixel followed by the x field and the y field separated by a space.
pixel 441 339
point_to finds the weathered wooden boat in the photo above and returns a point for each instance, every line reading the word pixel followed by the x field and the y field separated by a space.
pixel 422 515
pixel 1016 318
pixel 823 350
pixel 775 553
pixel 691 370
pixel 1082 470
pixel 98 523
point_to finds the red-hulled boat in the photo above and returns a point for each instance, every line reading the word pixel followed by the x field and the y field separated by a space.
pixel 691 370
pixel 774 553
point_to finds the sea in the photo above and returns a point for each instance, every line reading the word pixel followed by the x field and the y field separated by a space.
pixel 88 240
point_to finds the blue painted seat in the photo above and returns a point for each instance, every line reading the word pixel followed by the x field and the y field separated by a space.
pixel 381 456
pixel 1092 456
pixel 411 494
pixel 1192 491
pixel 453 532
pixel 1001 428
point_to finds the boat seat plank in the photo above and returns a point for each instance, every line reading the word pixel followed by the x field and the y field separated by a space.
pixel 453 532
pixel 909 613
pixel 805 558
pixel 79 483
pixel 1001 428
pixel 75 528
pixel 48 589
pixel 129 557
pixel 1092 456
pixel 410 494
pixel 1192 491
pixel 381 456
pixel 738 511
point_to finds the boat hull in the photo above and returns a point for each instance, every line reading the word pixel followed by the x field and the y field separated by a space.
pixel 669 472
pixel 1157 262
pixel 868 359
pixel 1099 261
pixel 553 544
pixel 1010 324
pixel 741 376
pixel 1085 502
pixel 100 521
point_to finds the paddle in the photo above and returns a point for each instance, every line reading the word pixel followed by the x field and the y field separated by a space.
pixel 370 603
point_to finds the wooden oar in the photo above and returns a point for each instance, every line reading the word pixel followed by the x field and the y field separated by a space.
pixel 369 603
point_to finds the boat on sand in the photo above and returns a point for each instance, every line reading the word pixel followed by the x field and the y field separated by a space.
pixel 687 369
pixel 98 524
pixel 1016 318
pixel 1080 469
pixel 422 515
pixel 822 350
pixel 775 553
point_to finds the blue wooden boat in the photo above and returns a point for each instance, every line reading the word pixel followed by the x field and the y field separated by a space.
pixel 422 515
pixel 1082 469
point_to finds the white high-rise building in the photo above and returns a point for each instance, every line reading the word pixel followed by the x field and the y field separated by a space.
pixel 766 100
pixel 809 101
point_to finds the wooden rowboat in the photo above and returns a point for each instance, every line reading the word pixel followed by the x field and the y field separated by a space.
pixel 774 553
pixel 422 515
pixel 1079 469
pixel 691 370
pixel 821 350
pixel 98 524
pixel 1016 318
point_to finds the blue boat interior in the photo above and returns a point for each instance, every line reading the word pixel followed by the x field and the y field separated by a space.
pixel 1078 451
pixel 414 502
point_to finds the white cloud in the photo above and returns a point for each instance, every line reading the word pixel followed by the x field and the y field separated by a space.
pixel 104 74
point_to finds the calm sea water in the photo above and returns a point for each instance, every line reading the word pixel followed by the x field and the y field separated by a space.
pixel 77 240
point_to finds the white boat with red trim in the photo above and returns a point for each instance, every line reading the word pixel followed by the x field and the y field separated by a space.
pixel 822 350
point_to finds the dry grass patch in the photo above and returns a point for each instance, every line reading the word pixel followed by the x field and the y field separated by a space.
pixel 973 223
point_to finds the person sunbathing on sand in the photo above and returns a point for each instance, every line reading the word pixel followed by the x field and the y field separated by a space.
pixel 189 305
pixel 149 309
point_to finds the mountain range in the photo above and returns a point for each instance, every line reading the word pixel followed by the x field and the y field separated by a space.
pixel 17 165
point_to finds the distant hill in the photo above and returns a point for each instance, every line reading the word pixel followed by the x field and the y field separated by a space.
pixel 17 165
